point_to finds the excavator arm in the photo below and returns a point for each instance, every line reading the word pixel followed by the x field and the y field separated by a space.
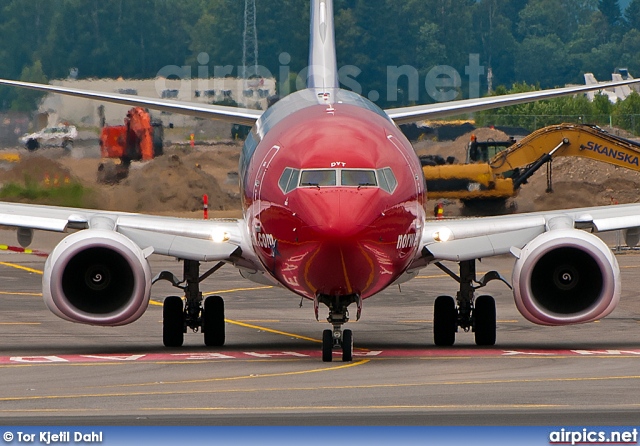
pixel 502 176
pixel 586 141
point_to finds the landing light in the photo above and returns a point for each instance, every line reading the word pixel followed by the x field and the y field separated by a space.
pixel 443 235
pixel 219 236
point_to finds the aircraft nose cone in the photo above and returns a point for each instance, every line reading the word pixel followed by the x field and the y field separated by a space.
pixel 339 214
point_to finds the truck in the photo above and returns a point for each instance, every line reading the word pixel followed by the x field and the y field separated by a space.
pixel 139 139
pixel 494 171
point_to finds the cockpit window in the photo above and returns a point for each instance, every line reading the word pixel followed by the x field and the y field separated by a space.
pixel 358 178
pixel 294 178
pixel 289 180
pixel 318 178
pixel 387 179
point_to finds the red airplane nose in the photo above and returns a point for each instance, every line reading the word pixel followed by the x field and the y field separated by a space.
pixel 336 214
pixel 339 224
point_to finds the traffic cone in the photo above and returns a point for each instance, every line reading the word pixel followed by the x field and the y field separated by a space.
pixel 205 207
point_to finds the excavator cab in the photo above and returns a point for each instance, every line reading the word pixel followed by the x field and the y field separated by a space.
pixel 484 151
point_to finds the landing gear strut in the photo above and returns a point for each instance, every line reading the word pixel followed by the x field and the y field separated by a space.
pixel 338 339
pixel 467 311
pixel 196 313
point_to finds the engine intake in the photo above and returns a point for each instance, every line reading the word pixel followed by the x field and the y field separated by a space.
pixel 566 277
pixel 97 277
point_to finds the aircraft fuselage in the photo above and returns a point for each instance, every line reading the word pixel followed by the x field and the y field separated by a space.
pixel 333 195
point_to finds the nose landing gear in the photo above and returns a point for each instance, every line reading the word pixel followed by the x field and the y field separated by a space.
pixel 338 339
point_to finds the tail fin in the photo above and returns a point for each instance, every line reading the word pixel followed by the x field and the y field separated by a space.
pixel 323 65
pixel 623 91
pixel 590 79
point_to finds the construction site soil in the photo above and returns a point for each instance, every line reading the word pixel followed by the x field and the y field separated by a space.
pixel 576 182
pixel 176 182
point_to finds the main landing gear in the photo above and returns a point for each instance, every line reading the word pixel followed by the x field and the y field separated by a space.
pixel 467 311
pixel 338 339
pixel 192 313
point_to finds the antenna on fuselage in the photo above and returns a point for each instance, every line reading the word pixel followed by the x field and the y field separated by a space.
pixel 323 64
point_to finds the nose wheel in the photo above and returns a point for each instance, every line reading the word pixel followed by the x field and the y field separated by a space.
pixel 337 340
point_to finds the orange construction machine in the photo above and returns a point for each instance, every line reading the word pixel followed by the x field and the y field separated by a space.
pixel 140 138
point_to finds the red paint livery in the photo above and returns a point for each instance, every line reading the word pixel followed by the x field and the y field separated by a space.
pixel 334 240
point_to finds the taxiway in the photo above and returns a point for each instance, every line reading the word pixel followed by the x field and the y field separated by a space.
pixel 270 371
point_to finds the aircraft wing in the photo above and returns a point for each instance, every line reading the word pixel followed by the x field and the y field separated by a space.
pixel 228 114
pixel 199 240
pixel 474 238
pixel 408 115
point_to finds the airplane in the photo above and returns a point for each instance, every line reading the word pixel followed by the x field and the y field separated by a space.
pixel 333 202
pixel 616 94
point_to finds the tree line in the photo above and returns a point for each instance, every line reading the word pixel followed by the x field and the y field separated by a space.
pixel 545 43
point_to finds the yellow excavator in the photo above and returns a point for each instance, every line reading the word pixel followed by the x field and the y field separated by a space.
pixel 495 170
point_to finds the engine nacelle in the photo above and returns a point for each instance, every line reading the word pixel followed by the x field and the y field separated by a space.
pixel 97 277
pixel 566 276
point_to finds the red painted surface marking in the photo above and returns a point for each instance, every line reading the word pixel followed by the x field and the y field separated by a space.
pixel 22 250
pixel 244 355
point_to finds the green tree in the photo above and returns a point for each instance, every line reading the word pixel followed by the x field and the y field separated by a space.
pixel 218 32
pixel 539 114
pixel 27 100
pixel 493 26
pixel 611 10
pixel 626 114
pixel 632 15
pixel 543 60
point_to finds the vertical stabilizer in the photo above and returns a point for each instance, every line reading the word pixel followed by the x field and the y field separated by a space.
pixel 590 79
pixel 323 65
pixel 623 91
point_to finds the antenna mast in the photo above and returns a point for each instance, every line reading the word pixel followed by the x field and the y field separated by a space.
pixel 250 39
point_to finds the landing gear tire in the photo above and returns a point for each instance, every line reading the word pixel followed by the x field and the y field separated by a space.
pixel 485 320
pixel 445 321
pixel 347 346
pixel 173 322
pixel 32 145
pixel 213 322
pixel 327 346
pixel 67 145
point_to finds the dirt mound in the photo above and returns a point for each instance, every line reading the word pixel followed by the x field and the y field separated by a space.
pixel 35 169
pixel 579 182
pixel 168 184
pixel 458 148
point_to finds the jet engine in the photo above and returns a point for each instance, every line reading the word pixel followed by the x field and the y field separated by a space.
pixel 566 276
pixel 97 277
